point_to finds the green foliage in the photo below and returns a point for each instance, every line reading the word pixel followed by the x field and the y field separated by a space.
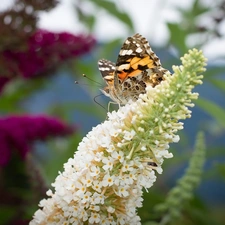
pixel 220 84
pixel 182 205
pixel 183 192
pixel 217 112
pixel 178 37
pixel 17 91
pixel 171 209
pixel 111 8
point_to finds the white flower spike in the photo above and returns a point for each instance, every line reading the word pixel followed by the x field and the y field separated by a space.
pixel 103 183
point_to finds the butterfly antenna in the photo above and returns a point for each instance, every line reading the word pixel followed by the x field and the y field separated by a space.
pixel 98 102
pixel 77 82
pixel 84 75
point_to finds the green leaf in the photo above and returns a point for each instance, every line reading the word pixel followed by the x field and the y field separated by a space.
pixel 213 110
pixel 111 8
pixel 177 37
pixel 182 193
pixel 220 84
pixel 198 8
pixel 212 71
pixel 194 11
pixel 17 90
pixel 88 19
pixel 190 14
pixel 221 170
pixel 215 75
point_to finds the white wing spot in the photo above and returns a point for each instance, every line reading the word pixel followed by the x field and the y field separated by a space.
pixel 108 77
pixel 138 50
pixel 126 52
pixel 124 66
pixel 104 69
pixel 123 52
pixel 129 52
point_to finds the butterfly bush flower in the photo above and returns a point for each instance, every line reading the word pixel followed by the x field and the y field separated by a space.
pixel 103 183
pixel 18 132
pixel 43 52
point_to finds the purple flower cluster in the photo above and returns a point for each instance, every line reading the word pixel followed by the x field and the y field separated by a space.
pixel 18 133
pixel 45 51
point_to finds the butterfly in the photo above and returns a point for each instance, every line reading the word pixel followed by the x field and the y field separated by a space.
pixel 137 67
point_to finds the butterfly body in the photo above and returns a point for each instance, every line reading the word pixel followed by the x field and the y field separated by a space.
pixel 137 67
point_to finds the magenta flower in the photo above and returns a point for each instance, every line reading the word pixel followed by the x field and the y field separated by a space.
pixel 45 51
pixel 3 81
pixel 18 133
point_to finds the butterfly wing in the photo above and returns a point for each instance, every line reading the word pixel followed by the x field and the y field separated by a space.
pixel 137 67
pixel 134 57
pixel 107 69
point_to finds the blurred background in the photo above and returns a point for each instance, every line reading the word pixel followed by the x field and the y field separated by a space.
pixel 46 45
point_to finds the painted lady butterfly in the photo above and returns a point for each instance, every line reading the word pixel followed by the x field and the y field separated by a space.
pixel 137 67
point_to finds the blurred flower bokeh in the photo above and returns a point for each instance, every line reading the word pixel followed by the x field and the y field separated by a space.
pixel 29 53
pixel 43 114
pixel 18 132
pixel 45 52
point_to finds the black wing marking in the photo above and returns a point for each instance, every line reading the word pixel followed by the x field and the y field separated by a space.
pixel 136 46
pixel 107 68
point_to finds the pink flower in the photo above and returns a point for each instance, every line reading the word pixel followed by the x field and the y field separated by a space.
pixel 45 51
pixel 18 133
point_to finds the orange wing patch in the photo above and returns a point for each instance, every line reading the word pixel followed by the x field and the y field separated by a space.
pixel 123 75
pixel 134 73
pixel 137 66
pixel 135 62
